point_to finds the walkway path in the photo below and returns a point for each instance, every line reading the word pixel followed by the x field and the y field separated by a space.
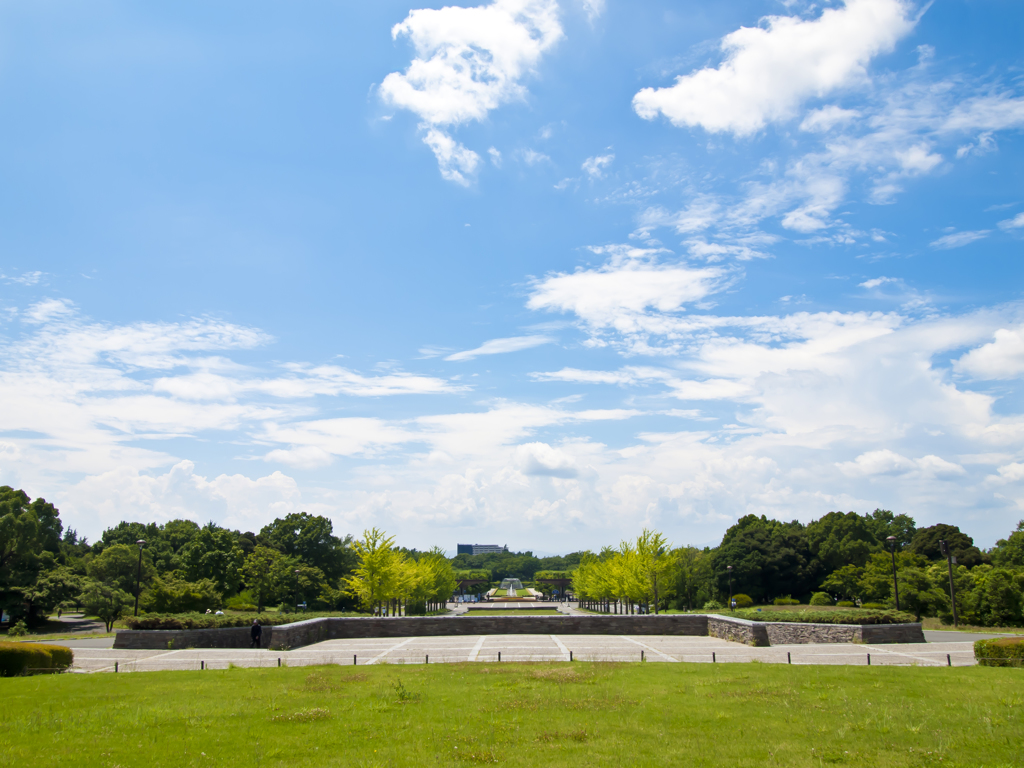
pixel 485 648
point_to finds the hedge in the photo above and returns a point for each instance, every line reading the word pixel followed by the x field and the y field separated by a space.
pixel 850 616
pixel 1004 652
pixel 33 658
pixel 212 621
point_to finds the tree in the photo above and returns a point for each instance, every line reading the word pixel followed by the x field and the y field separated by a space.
pixel 654 566
pixel 844 583
pixel 118 567
pixel 107 602
pixel 1010 551
pixel 265 575
pixel 839 539
pixel 213 553
pixel 311 539
pixel 30 533
pixel 52 588
pixel 961 546
pixel 170 594
pixel 380 574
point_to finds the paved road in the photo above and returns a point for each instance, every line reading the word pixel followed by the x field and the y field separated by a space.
pixel 952 636
pixel 485 648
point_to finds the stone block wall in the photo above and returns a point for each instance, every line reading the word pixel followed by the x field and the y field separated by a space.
pixel 738 630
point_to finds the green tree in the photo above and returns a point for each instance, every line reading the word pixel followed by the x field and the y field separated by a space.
pixel 53 588
pixel 380 574
pixel 30 538
pixel 106 601
pixel 171 594
pixel 926 543
pixel 213 553
pixel 311 539
pixel 1010 551
pixel 265 574
pixel 845 583
pixel 118 567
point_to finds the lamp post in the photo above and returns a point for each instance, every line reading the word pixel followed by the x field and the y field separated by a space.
pixel 944 547
pixel 297 571
pixel 891 540
pixel 138 577
pixel 729 569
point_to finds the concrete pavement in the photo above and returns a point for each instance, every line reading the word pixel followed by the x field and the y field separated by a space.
pixel 526 648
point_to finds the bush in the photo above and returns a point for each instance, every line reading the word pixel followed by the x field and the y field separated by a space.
pixel 876 606
pixel 212 621
pixel 785 601
pixel 852 616
pixel 821 598
pixel 846 604
pixel 33 658
pixel 712 605
pixel 1004 652
pixel 18 629
pixel 743 601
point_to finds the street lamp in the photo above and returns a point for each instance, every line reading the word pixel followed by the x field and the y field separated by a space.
pixel 891 540
pixel 729 569
pixel 949 562
pixel 297 571
pixel 138 577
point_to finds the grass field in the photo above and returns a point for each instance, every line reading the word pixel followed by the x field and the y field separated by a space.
pixel 513 612
pixel 519 715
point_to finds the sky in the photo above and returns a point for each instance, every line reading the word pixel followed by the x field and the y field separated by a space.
pixel 531 272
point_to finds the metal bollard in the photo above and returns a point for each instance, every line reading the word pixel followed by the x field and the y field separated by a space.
pixel 279 661
pixel 641 655
pixel 869 659
pixel 202 665
pixel 713 659
pixel 115 666
pixel 353 659
pixel 789 658
pixel 499 655
pixel 428 659
pixel 570 655
pixel 949 661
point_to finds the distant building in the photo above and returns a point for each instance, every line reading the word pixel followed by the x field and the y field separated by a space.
pixel 479 549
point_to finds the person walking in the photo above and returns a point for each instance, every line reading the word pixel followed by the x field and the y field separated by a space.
pixel 256 633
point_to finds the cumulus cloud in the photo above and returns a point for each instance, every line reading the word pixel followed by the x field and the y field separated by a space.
pixel 886 462
pixel 542 459
pixel 769 71
pixel 468 62
pixel 501 346
pixel 1001 358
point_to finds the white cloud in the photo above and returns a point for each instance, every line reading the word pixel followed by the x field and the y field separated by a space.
pixel 25 278
pixel 593 8
pixel 542 459
pixel 594 166
pixel 626 286
pixel 886 462
pixel 825 119
pixel 495 157
pixel 1001 358
pixel 1017 222
pixel 959 239
pixel 502 346
pixel 769 71
pixel 456 163
pixel 533 157
pixel 49 309
pixel 468 62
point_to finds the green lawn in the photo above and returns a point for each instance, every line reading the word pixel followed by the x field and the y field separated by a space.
pixel 514 612
pixel 519 715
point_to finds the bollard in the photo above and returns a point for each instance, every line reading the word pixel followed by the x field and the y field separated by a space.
pixel 789 658
pixel 869 659
pixel 499 655
pixel 641 655
pixel 202 665
pixel 279 661
pixel 949 661
pixel 428 659
pixel 353 659
pixel 115 666
pixel 570 655
pixel 713 660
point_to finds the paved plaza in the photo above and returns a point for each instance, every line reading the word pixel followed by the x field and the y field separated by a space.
pixel 526 648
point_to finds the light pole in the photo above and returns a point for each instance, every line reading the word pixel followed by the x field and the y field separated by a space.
pixel 891 540
pixel 297 588
pixel 949 562
pixel 138 577
pixel 729 569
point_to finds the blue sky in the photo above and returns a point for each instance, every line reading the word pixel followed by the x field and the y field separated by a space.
pixel 528 272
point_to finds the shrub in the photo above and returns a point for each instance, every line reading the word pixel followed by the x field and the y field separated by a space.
pixel 785 601
pixel 821 598
pixel 846 604
pixel 33 658
pixel 212 621
pixel 713 605
pixel 876 606
pixel 1004 652
pixel 743 601
pixel 852 616
pixel 18 629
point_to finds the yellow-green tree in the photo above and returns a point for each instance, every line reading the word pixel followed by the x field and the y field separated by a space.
pixel 382 573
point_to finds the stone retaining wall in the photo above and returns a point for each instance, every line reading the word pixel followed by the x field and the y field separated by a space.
pixel 312 631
